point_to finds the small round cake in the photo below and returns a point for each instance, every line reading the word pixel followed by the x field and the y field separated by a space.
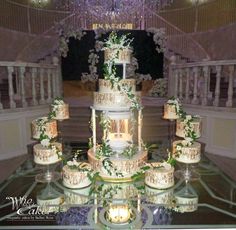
pixel 122 56
pixel 180 127
pixel 77 196
pixel 161 197
pixel 75 177
pixel 50 127
pixel 46 155
pixel 159 177
pixel 186 204
pixel 188 154
pixel 126 166
pixel 61 112
pixel 170 112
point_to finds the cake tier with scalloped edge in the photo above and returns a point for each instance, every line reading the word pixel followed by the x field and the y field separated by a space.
pixel 105 86
pixel 62 112
pixel 47 155
pixel 187 154
pixel 180 125
pixel 186 204
pixel 159 177
pixel 74 178
pixel 170 112
pixel 126 166
pixel 113 101
pixel 121 56
pixel 39 123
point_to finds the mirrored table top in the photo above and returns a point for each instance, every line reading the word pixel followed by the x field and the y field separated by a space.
pixel 207 202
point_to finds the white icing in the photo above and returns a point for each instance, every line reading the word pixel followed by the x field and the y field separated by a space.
pixel 170 112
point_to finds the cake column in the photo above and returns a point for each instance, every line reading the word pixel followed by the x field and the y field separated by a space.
pixel 94 128
pixel 139 129
pixel 124 70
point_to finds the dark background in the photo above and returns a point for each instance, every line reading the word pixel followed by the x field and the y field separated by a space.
pixel 144 49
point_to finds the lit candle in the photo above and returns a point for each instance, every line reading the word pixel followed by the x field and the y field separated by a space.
pixel 118 214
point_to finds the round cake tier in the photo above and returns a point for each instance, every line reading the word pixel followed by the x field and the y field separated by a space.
pixel 170 112
pixel 50 127
pixel 127 167
pixel 186 204
pixel 180 125
pixel 46 155
pixel 160 177
pixel 77 196
pixel 62 112
pixel 105 86
pixel 122 56
pixel 75 178
pixel 119 141
pixel 188 154
pixel 157 196
pixel 112 101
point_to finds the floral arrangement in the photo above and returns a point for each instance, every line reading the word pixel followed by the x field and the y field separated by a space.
pixel 55 105
pixel 159 88
pixel 159 38
pixel 117 43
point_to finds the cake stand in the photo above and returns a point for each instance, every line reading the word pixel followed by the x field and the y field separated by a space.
pixel 187 173
pixel 49 175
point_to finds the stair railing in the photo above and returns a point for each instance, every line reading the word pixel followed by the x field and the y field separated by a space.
pixel 30 84
pixel 207 83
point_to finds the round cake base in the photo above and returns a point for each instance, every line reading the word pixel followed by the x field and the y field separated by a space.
pixel 127 167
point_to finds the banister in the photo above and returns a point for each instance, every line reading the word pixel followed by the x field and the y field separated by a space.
pixel 26 64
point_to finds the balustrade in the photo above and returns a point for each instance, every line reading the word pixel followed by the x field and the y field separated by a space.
pixel 203 83
pixel 30 84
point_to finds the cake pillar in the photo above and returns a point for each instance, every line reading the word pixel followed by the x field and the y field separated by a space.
pixel 139 130
pixel 94 129
pixel 124 70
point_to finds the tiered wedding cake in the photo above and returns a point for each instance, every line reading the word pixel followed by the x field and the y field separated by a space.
pixel 117 157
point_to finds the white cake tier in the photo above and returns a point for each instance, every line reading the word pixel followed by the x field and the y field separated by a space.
pixel 160 178
pixel 170 112
pixel 45 155
pixel 180 132
pixel 74 178
pixel 77 196
pixel 123 57
pixel 189 154
pixel 105 86
pixel 186 204
pixel 119 142
pixel 112 101
pixel 127 167
pixel 157 196
pixel 62 112
pixel 50 127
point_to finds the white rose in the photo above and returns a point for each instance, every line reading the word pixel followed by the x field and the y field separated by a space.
pixel 70 163
pixel 188 117
pixel 178 148
pixel 45 142
pixel 59 153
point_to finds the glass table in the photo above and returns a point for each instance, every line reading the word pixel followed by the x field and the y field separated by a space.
pixel 209 202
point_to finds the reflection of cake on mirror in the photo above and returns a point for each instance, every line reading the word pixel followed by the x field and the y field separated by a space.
pixel 117 156
pixel 172 109
pixel 160 175
pixel 192 122
pixel 46 155
pixel 161 197
pixel 43 124
pixel 59 109
pixel 77 196
pixel 187 154
pixel 75 174
pixel 186 204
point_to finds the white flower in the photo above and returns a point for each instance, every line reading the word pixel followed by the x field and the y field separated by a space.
pixel 178 148
pixel 188 117
pixel 59 153
pixel 189 139
pixel 69 163
pixel 166 165
pixel 45 142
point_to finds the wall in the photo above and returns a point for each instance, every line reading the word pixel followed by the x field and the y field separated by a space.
pixel 15 130
pixel 218 129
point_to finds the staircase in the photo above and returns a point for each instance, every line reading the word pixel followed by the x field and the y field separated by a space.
pixel 76 129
